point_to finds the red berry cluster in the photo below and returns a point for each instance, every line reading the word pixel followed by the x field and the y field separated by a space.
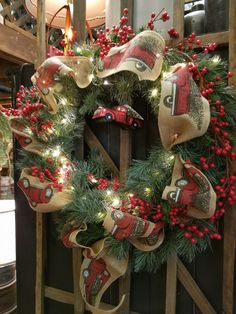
pixel 164 16
pixel 225 189
pixel 192 42
pixel 46 174
pixel 117 36
pixel 104 184
pixel 158 215
pixel 193 232
pixel 55 52
pixel 177 214
pixel 173 32
pixel 136 206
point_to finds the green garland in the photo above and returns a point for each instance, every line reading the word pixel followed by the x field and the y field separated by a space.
pixel 93 187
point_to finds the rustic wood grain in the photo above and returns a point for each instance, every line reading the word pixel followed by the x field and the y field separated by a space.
pixel 40 230
pixel 40 249
pixel 192 288
pixel 16 47
pixel 171 284
pixel 230 215
pixel 79 19
pixel 93 142
pixel 78 299
pixel 68 298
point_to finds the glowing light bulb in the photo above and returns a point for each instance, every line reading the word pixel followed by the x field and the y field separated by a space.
pixel 101 215
pixel 106 82
pixel 63 101
pixel 116 202
pixel 56 152
pixel 215 59
pixel 109 192
pixel 154 92
pixel 78 49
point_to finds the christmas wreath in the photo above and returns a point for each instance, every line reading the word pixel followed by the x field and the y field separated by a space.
pixel 170 202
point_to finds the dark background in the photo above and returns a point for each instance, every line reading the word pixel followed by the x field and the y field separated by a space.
pixel 147 290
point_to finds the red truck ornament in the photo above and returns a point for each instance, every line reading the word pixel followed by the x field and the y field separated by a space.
pixel 95 277
pixel 123 114
pixel 180 99
pixel 192 189
pixel 35 195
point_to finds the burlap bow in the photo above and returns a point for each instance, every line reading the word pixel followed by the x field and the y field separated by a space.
pixel 183 114
pixel 142 55
pixel 190 187
pixel 47 77
pixel 99 269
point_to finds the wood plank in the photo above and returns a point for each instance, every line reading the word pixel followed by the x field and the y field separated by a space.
pixel 40 230
pixel 20 30
pixel 171 284
pixel 129 4
pixel 59 295
pixel 68 297
pixel 229 260
pixel 94 143
pixel 221 38
pixel 41 33
pixel 79 20
pixel 230 215
pixel 192 288
pixel 16 47
pixel 40 249
pixel 178 18
pixel 125 152
pixel 78 299
pixel 125 157
pixel 232 40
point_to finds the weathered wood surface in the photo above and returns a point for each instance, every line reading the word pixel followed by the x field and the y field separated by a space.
pixel 16 47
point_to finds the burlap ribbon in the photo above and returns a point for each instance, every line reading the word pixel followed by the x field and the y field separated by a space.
pixel 142 55
pixel 47 76
pixel 183 114
pixel 98 269
pixel 42 196
pixel 24 136
pixel 190 187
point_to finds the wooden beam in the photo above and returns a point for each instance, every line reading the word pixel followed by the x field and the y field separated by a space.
pixel 16 47
pixel 178 18
pixel 230 215
pixel 171 284
pixel 40 249
pixel 129 4
pixel 125 152
pixel 68 297
pixel 20 30
pixel 79 20
pixel 93 142
pixel 41 32
pixel 78 299
pixel 194 291
pixel 40 230
pixel 221 38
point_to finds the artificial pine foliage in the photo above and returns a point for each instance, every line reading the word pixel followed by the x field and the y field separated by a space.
pixel 93 190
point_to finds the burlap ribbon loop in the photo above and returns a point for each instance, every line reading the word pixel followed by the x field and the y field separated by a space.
pixel 183 114
pixel 24 136
pixel 98 270
pixel 143 234
pixel 47 77
pixel 42 196
pixel 142 55
pixel 190 187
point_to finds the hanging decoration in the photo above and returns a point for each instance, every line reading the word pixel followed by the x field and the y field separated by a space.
pixel 170 202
